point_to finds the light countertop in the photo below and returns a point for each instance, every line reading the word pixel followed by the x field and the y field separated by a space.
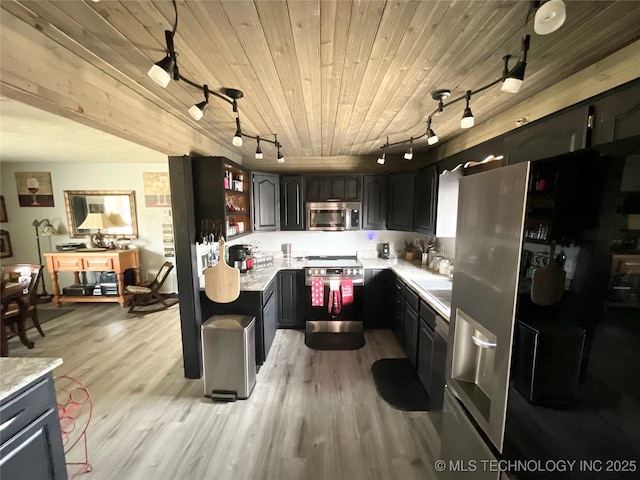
pixel 433 288
pixel 17 373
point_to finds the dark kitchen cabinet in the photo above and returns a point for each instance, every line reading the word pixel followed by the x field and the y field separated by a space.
pixel 398 309
pixel 425 354
pixel 291 202
pixel 31 445
pixel 377 292
pixel 617 116
pixel 266 202
pixel 401 187
pixel 432 354
pixel 269 315
pixel 410 325
pixel 374 204
pixel 561 133
pixel 322 188
pixel 221 195
pixel 261 304
pixel 424 220
pixel 290 291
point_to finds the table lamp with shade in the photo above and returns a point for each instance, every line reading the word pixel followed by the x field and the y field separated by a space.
pixel 119 222
pixel 99 222
pixel 47 231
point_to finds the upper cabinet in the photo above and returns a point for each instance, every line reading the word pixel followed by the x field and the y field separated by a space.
pixel 424 220
pixel 400 206
pixel 322 188
pixel 617 116
pixel 548 137
pixel 292 202
pixel 266 202
pixel 374 204
pixel 221 197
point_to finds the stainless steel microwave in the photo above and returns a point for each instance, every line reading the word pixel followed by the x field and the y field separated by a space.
pixel 333 216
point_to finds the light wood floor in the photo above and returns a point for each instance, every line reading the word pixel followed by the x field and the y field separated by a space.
pixel 312 415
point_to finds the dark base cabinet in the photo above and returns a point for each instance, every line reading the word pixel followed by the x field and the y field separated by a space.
pixel 397 324
pixel 31 441
pixel 262 305
pixel 290 291
pixel 410 327
pixel 432 355
pixel 377 312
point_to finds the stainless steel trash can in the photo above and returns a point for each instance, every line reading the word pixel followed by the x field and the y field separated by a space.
pixel 229 359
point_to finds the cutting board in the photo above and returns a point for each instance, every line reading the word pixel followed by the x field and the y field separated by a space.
pixel 547 285
pixel 222 282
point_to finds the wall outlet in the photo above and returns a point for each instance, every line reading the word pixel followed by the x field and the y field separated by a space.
pixel 416 241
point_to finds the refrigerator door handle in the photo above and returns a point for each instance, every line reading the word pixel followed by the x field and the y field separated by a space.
pixel 483 343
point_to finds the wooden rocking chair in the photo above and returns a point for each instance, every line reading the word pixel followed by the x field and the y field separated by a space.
pixel 148 293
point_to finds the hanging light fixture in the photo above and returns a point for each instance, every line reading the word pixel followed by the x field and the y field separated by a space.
pixel 280 156
pixel 237 138
pixel 165 70
pixel 259 155
pixel 383 157
pixel 409 154
pixel 197 110
pixel 467 117
pixel 549 17
pixel 440 95
pixel 432 138
pixel 513 79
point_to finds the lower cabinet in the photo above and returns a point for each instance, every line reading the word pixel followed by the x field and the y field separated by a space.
pixel 31 441
pixel 376 311
pixel 410 325
pixel 290 294
pixel 269 319
pixel 397 324
pixel 261 304
pixel 432 354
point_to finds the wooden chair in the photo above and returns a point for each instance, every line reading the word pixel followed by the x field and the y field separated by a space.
pixel 30 275
pixel 148 293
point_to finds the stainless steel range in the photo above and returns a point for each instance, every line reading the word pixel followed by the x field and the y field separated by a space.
pixel 326 312
pixel 333 268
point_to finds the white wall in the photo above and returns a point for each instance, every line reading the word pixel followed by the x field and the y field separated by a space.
pixel 82 176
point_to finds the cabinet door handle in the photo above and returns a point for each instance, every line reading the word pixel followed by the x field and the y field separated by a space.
pixel 8 422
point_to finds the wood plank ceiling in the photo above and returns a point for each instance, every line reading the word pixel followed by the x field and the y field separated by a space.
pixel 331 78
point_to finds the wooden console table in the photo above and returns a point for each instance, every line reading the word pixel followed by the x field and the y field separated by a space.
pixel 87 261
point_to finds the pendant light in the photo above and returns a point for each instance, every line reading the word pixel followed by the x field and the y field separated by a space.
pixel 549 17
pixel 409 154
pixel 467 117
pixel 383 157
pixel 237 138
pixel 280 156
pixel 513 79
pixel 197 110
pixel 259 155
pixel 432 138
pixel 165 70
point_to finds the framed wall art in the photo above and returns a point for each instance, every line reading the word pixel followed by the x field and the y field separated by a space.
pixel 157 191
pixel 3 210
pixel 34 189
pixel 5 245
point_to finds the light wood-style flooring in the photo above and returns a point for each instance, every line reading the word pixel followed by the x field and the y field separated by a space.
pixel 312 415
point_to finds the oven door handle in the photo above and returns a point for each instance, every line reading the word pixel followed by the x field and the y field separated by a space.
pixel 356 281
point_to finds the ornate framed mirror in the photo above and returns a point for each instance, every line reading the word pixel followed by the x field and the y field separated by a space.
pixel 80 203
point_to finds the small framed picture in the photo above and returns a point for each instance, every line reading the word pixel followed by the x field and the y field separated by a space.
pixel 3 210
pixel 5 245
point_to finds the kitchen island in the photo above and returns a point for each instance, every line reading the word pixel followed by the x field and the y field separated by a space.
pixel 31 439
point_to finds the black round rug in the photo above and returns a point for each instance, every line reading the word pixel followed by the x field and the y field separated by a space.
pixel 398 384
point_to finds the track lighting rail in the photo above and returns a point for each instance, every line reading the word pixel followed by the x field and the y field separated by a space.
pixel 511 79
pixel 165 70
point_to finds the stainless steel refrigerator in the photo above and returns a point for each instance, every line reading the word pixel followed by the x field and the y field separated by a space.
pixel 532 389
